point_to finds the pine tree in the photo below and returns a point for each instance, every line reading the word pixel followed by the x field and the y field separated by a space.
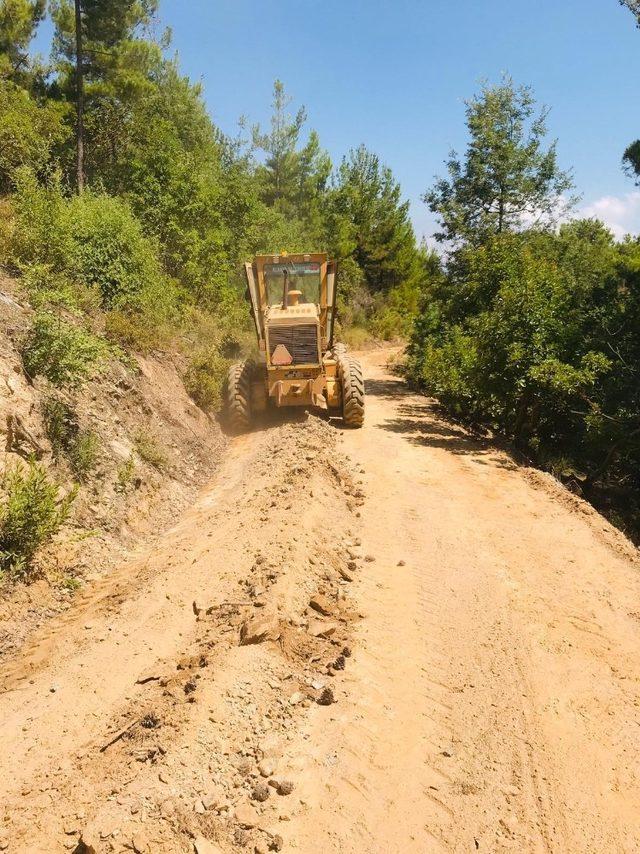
pixel 507 180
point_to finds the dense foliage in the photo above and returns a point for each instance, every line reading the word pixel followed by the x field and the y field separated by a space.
pixel 171 207
pixel 534 331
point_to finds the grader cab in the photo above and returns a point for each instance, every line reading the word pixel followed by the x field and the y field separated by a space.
pixel 293 304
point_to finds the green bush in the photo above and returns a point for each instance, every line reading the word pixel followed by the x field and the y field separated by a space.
pixel 125 475
pixel 536 335
pixel 92 244
pixel 30 514
pixel 149 450
pixel 205 377
pixel 28 132
pixel 80 447
pixel 62 352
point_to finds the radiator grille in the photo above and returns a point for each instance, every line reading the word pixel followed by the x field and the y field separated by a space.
pixel 301 341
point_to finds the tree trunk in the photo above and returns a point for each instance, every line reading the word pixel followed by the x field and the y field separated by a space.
pixel 79 101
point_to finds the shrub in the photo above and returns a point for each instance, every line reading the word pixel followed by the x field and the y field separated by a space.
pixel 149 450
pixel 90 244
pixel 205 377
pixel 29 515
pixel 63 353
pixel 83 454
pixel 80 447
pixel 125 474
pixel 28 132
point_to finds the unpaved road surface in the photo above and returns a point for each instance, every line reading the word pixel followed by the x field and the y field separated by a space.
pixel 446 658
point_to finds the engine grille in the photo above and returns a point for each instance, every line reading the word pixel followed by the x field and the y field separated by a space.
pixel 301 341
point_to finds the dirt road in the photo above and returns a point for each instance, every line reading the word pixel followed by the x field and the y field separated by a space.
pixel 446 658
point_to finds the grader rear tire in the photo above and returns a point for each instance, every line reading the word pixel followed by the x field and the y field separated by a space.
pixel 238 398
pixel 350 374
pixel 339 349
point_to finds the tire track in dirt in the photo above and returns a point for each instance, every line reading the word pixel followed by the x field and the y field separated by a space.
pixel 477 628
pixel 492 705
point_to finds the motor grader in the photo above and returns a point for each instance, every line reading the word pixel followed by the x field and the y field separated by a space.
pixel 293 303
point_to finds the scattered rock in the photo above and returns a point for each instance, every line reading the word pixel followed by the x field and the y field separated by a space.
pixel 260 792
pixel 284 787
pixel 402 563
pixel 276 843
pixel 213 798
pixel 326 698
pixel 322 629
pixel 352 565
pixel 296 698
pixel 246 816
pixel 88 844
pixel 345 573
pixel 203 846
pixel 321 604
pixel 259 629
pixel 369 558
pixel 266 768
pixel 140 844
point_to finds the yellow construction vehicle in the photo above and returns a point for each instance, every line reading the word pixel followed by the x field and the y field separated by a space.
pixel 293 304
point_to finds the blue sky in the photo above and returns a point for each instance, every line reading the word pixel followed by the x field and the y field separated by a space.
pixel 394 74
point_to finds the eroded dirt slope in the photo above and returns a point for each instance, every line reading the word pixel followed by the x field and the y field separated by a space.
pixel 447 658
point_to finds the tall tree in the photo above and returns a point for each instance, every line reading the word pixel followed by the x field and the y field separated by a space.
pixel 370 223
pixel 631 156
pixel 508 179
pixel 104 64
pixel 631 161
pixel 79 98
pixel 18 22
pixel 279 144
pixel 634 8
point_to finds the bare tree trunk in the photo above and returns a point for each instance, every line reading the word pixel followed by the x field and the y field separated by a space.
pixel 79 101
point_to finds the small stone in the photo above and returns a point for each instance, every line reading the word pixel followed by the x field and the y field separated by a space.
pixel 199 807
pixel 322 629
pixel 321 604
pixel 276 843
pixel 296 698
pixel 266 768
pixel 163 777
pixel 345 573
pixel 203 846
pixel 352 565
pixel 259 629
pixel 402 563
pixel 246 816
pixel 369 558
pixel 88 843
pixel 260 792
pixel 326 698
pixel 140 844
pixel 284 787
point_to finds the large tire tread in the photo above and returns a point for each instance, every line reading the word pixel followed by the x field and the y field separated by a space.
pixel 238 398
pixel 352 383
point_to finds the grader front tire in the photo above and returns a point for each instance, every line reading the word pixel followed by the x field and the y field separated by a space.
pixel 352 383
pixel 238 398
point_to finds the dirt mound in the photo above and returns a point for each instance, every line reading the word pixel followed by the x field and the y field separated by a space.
pixel 215 646
pixel 153 449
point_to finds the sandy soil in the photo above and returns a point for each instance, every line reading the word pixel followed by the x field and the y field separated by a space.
pixel 447 658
